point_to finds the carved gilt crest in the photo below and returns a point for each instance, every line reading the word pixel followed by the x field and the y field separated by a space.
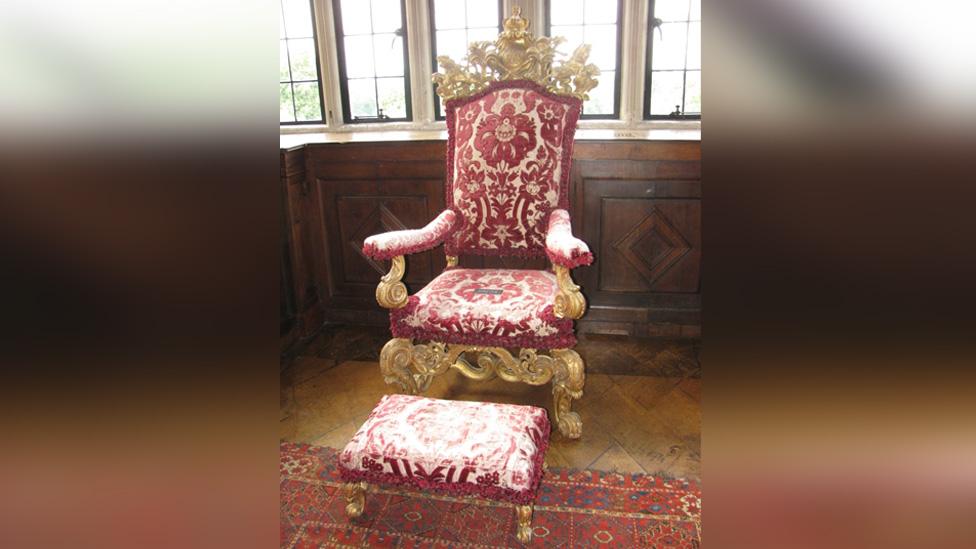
pixel 517 55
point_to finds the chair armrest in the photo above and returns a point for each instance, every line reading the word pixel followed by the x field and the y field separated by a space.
pixel 396 243
pixel 562 247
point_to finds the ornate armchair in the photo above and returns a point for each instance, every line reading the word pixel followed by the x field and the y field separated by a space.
pixel 511 119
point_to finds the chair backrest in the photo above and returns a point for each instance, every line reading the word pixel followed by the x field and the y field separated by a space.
pixel 511 120
pixel 509 150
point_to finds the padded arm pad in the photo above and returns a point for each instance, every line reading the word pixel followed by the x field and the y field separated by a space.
pixel 561 246
pixel 394 243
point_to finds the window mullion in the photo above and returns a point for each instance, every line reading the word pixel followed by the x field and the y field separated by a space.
pixel 328 63
pixel 419 48
pixel 633 53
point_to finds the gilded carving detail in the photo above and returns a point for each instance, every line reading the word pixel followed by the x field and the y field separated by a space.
pixel 412 367
pixel 570 302
pixel 517 55
pixel 524 513
pixel 355 498
pixel 391 292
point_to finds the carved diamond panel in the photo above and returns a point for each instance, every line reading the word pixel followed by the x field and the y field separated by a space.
pixel 379 220
pixel 653 246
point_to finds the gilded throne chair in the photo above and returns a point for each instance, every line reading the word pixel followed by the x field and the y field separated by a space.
pixel 511 120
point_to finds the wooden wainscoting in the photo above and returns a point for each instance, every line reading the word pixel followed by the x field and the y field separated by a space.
pixel 636 203
pixel 639 206
pixel 298 269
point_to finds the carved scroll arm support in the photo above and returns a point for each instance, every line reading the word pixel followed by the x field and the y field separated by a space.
pixel 391 293
pixel 570 302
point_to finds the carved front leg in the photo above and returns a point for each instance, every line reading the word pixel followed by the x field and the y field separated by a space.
pixel 567 385
pixel 355 498
pixel 524 513
pixel 396 364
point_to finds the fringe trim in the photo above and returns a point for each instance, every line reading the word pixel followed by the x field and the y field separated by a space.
pixel 533 252
pixel 371 250
pixel 563 340
pixel 576 260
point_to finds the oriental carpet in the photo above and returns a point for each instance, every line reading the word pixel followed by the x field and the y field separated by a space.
pixel 573 509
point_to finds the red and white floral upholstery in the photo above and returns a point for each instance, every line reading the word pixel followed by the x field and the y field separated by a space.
pixel 495 307
pixel 561 246
pixel 394 243
pixel 509 150
pixel 508 160
pixel 493 450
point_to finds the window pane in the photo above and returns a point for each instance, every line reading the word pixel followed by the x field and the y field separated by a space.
pixel 386 15
pixel 458 23
pixel 694 46
pixel 372 50
pixel 307 101
pixel 362 97
pixel 565 12
pixel 302 54
pixel 573 36
pixel 355 17
pixel 603 39
pixel 298 18
pixel 601 97
pixel 666 88
pixel 286 111
pixel 359 56
pixel 391 94
pixel 671 10
pixel 284 74
pixel 482 13
pixel 669 52
pixel 388 50
pixel 448 14
pixel 600 11
pixel 592 22
pixel 452 43
pixel 483 34
pixel 297 61
pixel 693 93
pixel 675 60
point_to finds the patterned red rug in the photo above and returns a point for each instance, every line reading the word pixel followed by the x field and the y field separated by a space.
pixel 573 509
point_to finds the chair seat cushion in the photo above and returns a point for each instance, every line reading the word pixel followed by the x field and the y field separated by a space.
pixel 492 450
pixel 488 307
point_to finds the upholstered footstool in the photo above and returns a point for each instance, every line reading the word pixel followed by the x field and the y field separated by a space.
pixel 494 451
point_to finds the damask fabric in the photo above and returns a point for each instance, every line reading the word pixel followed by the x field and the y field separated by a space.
pixel 497 307
pixel 394 243
pixel 561 246
pixel 509 150
pixel 493 450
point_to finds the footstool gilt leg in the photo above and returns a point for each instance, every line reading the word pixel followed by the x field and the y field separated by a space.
pixel 567 385
pixel 524 513
pixel 355 498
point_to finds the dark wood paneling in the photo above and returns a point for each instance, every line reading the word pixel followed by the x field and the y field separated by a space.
pixel 298 238
pixel 641 217
pixel 637 204
pixel 366 189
